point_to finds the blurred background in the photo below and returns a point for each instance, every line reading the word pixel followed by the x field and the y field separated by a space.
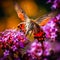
pixel 8 15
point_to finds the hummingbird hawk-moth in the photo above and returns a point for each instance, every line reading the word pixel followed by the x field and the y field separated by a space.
pixel 32 26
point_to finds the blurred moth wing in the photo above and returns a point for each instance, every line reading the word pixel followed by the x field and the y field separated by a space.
pixel 43 20
pixel 21 14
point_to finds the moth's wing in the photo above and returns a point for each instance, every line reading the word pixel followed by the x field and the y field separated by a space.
pixel 45 18
pixel 21 14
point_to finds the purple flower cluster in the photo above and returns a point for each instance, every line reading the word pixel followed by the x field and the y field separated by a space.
pixel 11 41
pixel 37 49
pixel 55 3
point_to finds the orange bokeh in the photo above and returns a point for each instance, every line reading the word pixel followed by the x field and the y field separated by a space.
pixel 29 7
